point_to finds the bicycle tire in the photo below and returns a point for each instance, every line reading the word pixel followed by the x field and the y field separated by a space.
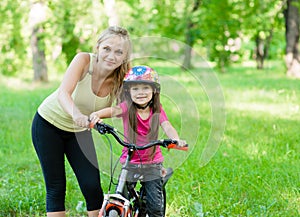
pixel 164 198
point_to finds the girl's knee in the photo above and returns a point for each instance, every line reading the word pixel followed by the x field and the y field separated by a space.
pixel 154 210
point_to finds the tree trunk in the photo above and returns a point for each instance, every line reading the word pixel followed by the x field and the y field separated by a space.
pixel 292 38
pixel 38 56
pixel 259 52
pixel 188 50
pixel 262 48
pixel 189 39
pixel 37 16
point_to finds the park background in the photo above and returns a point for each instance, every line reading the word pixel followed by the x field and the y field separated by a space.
pixel 237 61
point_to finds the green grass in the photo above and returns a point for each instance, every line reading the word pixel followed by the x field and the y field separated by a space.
pixel 255 171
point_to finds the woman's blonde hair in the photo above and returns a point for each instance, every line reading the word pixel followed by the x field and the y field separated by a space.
pixel 119 73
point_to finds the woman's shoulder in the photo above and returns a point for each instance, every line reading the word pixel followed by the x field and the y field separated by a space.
pixel 81 61
pixel 82 56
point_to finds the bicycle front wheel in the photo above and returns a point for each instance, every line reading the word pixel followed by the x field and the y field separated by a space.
pixel 113 213
pixel 164 198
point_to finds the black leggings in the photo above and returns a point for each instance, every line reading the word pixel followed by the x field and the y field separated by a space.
pixel 51 145
pixel 153 185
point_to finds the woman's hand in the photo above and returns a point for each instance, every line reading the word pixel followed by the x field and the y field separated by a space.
pixel 94 118
pixel 81 120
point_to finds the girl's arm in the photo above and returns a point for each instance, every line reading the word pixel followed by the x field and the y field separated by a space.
pixel 108 112
pixel 171 132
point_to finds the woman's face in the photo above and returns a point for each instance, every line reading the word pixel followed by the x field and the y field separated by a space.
pixel 112 52
pixel 141 94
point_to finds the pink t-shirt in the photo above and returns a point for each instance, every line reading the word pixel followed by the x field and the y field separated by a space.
pixel 141 156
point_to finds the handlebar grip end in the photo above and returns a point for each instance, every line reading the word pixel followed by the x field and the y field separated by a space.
pixel 91 125
pixel 175 146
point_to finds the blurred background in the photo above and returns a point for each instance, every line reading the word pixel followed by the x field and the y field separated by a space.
pixel 38 38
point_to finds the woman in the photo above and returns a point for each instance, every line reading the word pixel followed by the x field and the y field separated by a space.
pixel 60 126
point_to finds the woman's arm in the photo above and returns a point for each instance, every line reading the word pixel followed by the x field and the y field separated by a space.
pixel 73 74
pixel 171 132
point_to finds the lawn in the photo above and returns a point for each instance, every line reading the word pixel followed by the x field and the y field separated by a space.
pixel 243 131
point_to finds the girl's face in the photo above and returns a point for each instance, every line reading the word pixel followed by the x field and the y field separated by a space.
pixel 141 94
pixel 112 52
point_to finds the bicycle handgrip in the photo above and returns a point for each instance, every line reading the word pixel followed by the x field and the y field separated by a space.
pixel 97 125
pixel 91 125
pixel 175 146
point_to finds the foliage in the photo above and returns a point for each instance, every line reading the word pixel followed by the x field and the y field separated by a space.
pixel 222 27
pixel 12 41
pixel 223 31
pixel 65 16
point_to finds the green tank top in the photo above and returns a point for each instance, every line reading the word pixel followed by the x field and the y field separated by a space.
pixel 84 98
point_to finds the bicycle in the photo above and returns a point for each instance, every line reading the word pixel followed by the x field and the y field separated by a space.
pixel 131 202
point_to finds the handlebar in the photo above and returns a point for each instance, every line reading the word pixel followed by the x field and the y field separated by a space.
pixel 103 128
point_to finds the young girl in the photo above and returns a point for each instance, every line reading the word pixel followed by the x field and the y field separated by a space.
pixel 142 115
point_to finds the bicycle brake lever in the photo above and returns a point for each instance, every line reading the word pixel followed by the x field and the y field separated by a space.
pixel 104 128
pixel 101 128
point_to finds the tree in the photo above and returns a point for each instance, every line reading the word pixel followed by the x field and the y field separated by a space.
pixel 70 41
pixel 263 36
pixel 220 29
pixel 190 36
pixel 291 15
pixel 64 20
pixel 36 20
pixel 12 44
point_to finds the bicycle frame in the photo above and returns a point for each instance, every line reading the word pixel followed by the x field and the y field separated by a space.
pixel 116 205
pixel 117 201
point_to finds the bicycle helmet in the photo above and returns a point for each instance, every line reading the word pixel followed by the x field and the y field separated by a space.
pixel 142 74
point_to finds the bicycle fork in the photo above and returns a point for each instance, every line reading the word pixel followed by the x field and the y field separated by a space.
pixel 116 203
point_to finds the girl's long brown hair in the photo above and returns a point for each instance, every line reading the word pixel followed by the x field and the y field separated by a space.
pixel 132 113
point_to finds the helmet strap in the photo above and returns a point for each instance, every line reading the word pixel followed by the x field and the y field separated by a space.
pixel 145 106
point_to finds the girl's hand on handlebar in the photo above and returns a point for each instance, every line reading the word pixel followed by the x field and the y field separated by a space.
pixel 181 143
